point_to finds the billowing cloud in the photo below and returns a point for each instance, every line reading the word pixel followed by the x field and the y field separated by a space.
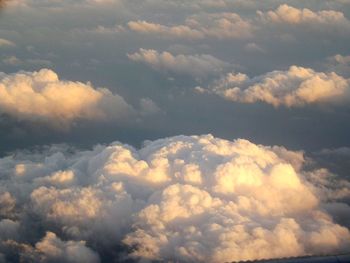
pixel 216 25
pixel 294 87
pixel 182 198
pixel 52 249
pixel 42 96
pixel 320 20
pixel 195 65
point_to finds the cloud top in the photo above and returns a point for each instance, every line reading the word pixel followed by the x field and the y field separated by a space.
pixel 295 87
pixel 42 96
pixel 196 198
pixel 294 16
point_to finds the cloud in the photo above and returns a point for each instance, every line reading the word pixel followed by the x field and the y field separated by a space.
pixel 295 87
pixel 335 159
pixel 216 25
pixel 181 31
pixel 149 107
pixel 183 198
pixel 343 60
pixel 187 5
pixel 6 43
pixel 55 249
pixel 253 47
pixel 12 61
pixel 42 96
pixel 15 61
pixel 343 151
pixel 339 64
pixel 52 249
pixel 320 20
pixel 195 65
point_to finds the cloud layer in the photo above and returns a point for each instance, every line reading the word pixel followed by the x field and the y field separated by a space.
pixel 42 96
pixel 295 87
pixel 182 198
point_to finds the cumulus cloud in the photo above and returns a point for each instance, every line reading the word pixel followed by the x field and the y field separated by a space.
pixel 319 20
pixel 294 87
pixel 52 249
pixel 216 25
pixel 42 96
pixel 197 198
pixel 55 249
pixel 195 65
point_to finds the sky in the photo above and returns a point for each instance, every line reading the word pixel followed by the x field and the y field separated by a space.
pixel 173 130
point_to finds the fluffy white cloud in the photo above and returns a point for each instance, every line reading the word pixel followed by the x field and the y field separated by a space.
pixel 42 96
pixel 295 87
pixel 195 65
pixel 216 25
pixel 183 198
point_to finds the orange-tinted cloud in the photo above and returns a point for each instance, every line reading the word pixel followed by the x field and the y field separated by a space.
pixel 42 96
pixel 183 198
pixel 295 87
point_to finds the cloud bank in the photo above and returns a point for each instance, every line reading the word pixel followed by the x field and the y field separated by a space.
pixel 295 87
pixel 42 96
pixel 195 65
pixel 197 198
